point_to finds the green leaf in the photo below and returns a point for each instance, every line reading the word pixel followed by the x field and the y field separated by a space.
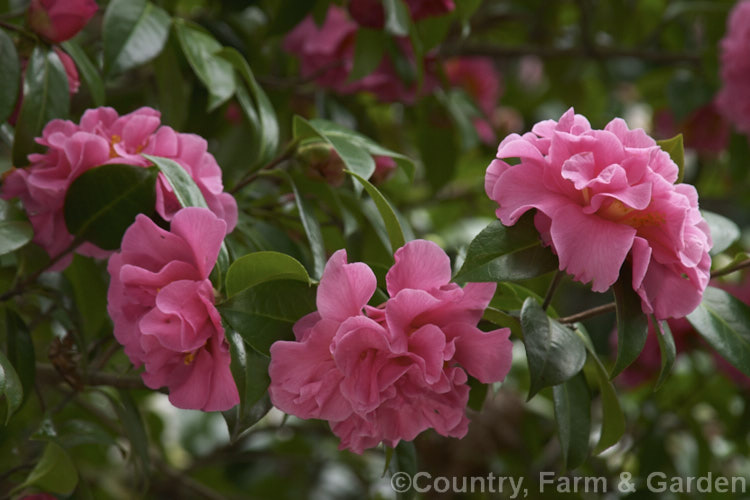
pixel 555 353
pixel 572 402
pixel 263 118
pixel 724 232
pixel 368 52
pixel 613 418
pixel 462 110
pixel 259 267
pixel 11 76
pixel 397 17
pixel 667 349
pixel 171 85
pixel 89 73
pixel 289 14
pixel 201 50
pixel 392 224
pixel 14 234
pixel 90 293
pixel 676 150
pixel 477 394
pixel 20 350
pixel 437 142
pixel 724 321
pixel 632 323
pixel 135 430
pixel 404 460
pixel 466 8
pixel 266 312
pixel 54 473
pixel 11 387
pixel 433 30
pixel 45 97
pixel 134 32
pixel 103 202
pixel 501 253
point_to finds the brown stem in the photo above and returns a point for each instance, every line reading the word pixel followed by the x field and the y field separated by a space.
pixel 729 270
pixel 589 313
pixel 19 288
pixel 552 288
pixel 50 374
pixel 288 152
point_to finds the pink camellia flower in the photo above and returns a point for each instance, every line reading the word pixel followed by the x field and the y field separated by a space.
pixel 388 373
pixel 733 100
pixel 481 81
pixel 370 13
pixel 385 166
pixel 103 137
pixel 604 198
pixel 327 53
pixel 162 305
pixel 59 20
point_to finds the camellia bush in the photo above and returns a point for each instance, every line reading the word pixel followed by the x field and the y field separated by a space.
pixel 374 249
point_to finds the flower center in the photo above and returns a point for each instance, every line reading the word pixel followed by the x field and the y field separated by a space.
pixel 617 211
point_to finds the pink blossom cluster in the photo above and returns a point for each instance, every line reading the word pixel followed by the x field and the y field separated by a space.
pixel 326 53
pixel 733 100
pixel 101 138
pixel 370 13
pixel 482 82
pixel 388 373
pixel 162 305
pixel 604 198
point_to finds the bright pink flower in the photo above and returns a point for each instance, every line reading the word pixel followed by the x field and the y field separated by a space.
pixel 103 137
pixel 59 20
pixel 327 53
pixel 370 13
pixel 733 99
pixel 162 305
pixel 388 373
pixel 70 70
pixel 604 197
pixel 481 81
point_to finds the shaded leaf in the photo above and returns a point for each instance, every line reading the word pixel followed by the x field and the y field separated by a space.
pixel 404 460
pixel 55 472
pixel 259 267
pixel 11 388
pixel 386 210
pixel 11 76
pixel 368 52
pixel 676 150
pixel 397 17
pixel 572 402
pixel 20 350
pixel 89 73
pixel 632 323
pixel 724 231
pixel 667 349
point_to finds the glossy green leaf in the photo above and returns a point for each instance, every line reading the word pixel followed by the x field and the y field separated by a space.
pixel 724 231
pixel 676 150
pixel 201 50
pixel 397 17
pixel 265 127
pixel 55 472
pixel 11 76
pixel 134 33
pixel 501 253
pixel 14 234
pixel 368 52
pixel 20 351
pixel 266 312
pixel 89 73
pixel 103 202
pixel 555 353
pixel 171 84
pixel 667 349
pixel 572 402
pixel 632 323
pixel 404 460
pixel 259 267
pixel 477 394
pixel 11 388
pixel 45 97
pixel 386 210
pixel 90 293
pixel 724 321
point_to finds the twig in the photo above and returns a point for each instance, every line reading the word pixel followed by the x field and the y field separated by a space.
pixel 19 288
pixel 49 373
pixel 552 288
pixel 729 270
pixel 288 152
pixel 589 313
pixel 18 29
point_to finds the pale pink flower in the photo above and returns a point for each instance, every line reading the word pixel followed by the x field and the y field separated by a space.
pixel 388 373
pixel 59 20
pixel 327 53
pixel 604 198
pixel 370 13
pixel 104 137
pixel 733 100
pixel 482 82
pixel 162 305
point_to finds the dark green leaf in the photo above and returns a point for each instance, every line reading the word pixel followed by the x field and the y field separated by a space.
pixel 632 323
pixel 462 111
pixel 501 253
pixel 89 73
pixel 259 267
pixel 368 52
pixel 478 394
pixel 466 8
pixel 14 234
pixel 724 321
pixel 573 416
pixel 404 460
pixel 11 388
pixel 90 293
pixel 20 349
pixel 11 76
pixel 45 97
pixel 200 49
pixel 438 147
pixel 554 352
pixel 433 30
pixel 724 232
pixel 289 14
pixel 397 17
pixel 676 150
pixel 104 201
pixel 134 32
pixel 667 348
pixel 172 87
pixel 392 224
pixel 135 430
pixel 266 312
pixel 55 472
